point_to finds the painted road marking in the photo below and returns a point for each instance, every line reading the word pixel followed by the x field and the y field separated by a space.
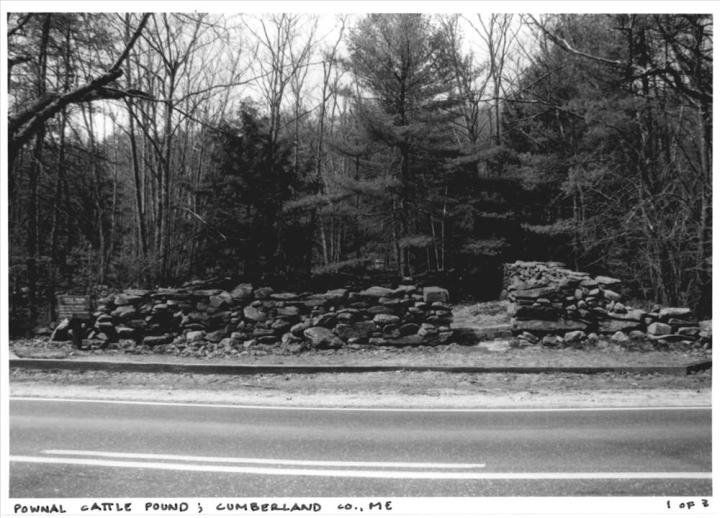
pixel 361 473
pixel 356 409
pixel 245 460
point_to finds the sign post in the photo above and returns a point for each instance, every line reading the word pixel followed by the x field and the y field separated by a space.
pixel 76 308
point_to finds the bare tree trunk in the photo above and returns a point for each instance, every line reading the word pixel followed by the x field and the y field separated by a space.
pixel 35 169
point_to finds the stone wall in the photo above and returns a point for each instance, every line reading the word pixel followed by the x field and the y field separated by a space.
pixel 246 316
pixel 553 304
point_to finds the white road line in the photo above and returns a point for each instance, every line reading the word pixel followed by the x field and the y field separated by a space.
pixel 356 409
pixel 361 473
pixel 245 460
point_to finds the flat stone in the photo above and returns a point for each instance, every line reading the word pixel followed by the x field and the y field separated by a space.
pixel 125 332
pixel 267 340
pixel 280 326
pixel 409 329
pixel 335 296
pixel 536 293
pixel 325 320
pixel 635 315
pixel 228 343
pixel 427 329
pixel 289 312
pixel 313 303
pixel 263 293
pixel 619 308
pixel 377 310
pixel 658 328
pixel 323 338
pixel 242 292
pixel 361 330
pixel 544 326
pixel 124 312
pixel 205 293
pixel 284 296
pixel 121 300
pixel 551 341
pixel 157 340
pixel 613 326
pixel 620 337
pixel 253 314
pixel 262 331
pixel 611 295
pixel 679 322
pixel 528 337
pixel 536 313
pixel 376 292
pixel 215 336
pixel 383 319
pixel 405 289
pixel 221 299
pixel 574 336
pixel 689 331
pixel 348 316
pixel 435 294
pixel 405 341
pixel 135 292
pixel 194 336
pixel 669 338
pixel 607 281
pixel 298 329
pixel 666 313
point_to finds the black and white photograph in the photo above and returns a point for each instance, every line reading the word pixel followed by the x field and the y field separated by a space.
pixel 344 259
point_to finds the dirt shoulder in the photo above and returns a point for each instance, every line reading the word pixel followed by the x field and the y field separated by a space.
pixel 376 389
pixel 497 353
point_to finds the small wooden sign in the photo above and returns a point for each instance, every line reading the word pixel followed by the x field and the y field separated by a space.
pixel 73 306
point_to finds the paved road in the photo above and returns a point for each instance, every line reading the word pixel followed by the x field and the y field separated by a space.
pixel 61 448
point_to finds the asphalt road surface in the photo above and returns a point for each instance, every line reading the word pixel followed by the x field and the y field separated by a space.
pixel 62 448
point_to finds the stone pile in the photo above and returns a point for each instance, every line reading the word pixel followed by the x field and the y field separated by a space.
pixel 246 316
pixel 552 304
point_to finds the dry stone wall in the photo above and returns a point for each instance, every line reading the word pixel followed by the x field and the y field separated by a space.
pixel 247 316
pixel 552 304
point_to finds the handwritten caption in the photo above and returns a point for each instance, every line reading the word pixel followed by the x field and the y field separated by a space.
pixel 688 505
pixel 194 507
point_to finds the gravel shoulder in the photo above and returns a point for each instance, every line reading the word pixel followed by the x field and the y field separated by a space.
pixel 398 389
pixel 485 354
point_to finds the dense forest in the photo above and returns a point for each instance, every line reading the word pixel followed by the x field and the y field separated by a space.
pixel 151 149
